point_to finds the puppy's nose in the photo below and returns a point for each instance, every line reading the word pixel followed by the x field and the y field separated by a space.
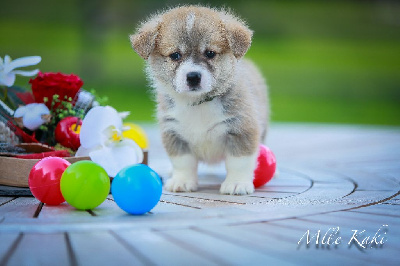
pixel 193 79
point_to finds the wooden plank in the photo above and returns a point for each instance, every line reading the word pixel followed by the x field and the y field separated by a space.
pixel 211 199
pixel 159 250
pixel 269 195
pixel 102 248
pixel 19 208
pixel 381 210
pixel 213 177
pixel 289 178
pixel 109 208
pixel 164 206
pixel 361 198
pixel 351 219
pixel 381 166
pixel 269 244
pixel 63 212
pixel 395 201
pixel 283 189
pixel 41 249
pixel 368 181
pixel 7 244
pixel 221 251
pixel 4 200
pixel 363 218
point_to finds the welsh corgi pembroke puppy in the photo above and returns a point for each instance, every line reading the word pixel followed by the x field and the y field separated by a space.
pixel 212 104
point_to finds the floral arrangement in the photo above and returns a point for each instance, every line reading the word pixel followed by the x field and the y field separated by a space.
pixel 58 112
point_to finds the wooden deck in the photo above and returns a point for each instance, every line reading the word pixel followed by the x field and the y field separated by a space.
pixel 333 180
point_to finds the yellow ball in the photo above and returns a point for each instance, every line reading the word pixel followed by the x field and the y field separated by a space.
pixel 136 134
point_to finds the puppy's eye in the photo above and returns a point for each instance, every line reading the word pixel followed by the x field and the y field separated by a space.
pixel 175 56
pixel 210 54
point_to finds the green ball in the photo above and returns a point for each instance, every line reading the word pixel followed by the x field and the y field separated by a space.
pixel 85 185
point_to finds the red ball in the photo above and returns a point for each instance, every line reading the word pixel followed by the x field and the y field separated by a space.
pixel 266 166
pixel 44 180
pixel 67 132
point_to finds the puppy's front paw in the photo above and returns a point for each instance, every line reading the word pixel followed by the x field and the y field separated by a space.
pixel 179 185
pixel 237 188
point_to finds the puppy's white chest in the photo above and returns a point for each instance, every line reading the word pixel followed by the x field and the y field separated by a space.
pixel 202 126
pixel 200 122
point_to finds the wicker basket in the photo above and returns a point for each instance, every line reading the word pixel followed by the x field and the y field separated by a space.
pixel 15 171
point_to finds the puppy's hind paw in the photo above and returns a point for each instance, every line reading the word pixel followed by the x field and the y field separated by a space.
pixel 236 188
pixel 177 185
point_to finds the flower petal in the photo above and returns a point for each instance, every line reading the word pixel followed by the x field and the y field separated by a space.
pixel 33 116
pixel 114 158
pixel 20 111
pixel 135 146
pixel 7 79
pixel 26 73
pixel 95 122
pixel 83 152
pixel 125 114
pixel 7 59
pixel 20 62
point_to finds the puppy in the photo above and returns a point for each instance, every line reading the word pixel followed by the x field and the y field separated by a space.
pixel 211 104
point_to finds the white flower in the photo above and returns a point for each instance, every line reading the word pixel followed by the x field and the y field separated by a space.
pixel 32 115
pixel 8 72
pixel 101 139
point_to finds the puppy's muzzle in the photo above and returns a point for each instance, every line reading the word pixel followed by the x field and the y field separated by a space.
pixel 193 80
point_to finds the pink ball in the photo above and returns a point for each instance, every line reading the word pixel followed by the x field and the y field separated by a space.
pixel 266 166
pixel 44 180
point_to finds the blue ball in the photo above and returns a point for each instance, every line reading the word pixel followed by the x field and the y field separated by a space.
pixel 136 189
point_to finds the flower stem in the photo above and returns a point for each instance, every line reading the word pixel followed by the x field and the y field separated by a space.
pixel 3 102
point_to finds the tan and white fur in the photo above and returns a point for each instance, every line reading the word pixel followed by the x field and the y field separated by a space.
pixel 212 104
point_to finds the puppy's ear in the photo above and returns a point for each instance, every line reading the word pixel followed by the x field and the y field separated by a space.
pixel 143 41
pixel 237 34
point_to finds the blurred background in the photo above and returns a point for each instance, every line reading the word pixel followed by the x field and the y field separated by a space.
pixel 324 61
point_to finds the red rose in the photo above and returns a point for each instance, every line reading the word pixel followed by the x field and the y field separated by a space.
pixel 49 84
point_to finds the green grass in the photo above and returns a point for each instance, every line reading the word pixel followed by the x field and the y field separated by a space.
pixel 324 61
pixel 331 81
